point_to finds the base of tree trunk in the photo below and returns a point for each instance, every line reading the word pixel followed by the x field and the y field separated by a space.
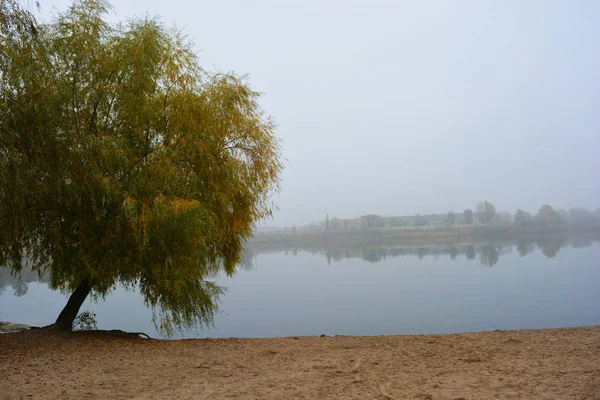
pixel 67 315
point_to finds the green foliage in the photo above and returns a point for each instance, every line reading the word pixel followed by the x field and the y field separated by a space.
pixel 580 215
pixel 420 220
pixel 395 222
pixel 85 321
pixel 486 211
pixel 523 217
pixel 549 216
pixel 336 224
pixel 371 221
pixel 123 161
pixel 503 217
pixel 468 216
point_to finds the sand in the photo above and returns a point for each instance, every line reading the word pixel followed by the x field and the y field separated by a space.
pixel 536 364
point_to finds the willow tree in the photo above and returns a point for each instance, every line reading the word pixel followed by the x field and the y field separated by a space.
pixel 122 161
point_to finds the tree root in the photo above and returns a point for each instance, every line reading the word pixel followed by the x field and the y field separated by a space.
pixel 120 332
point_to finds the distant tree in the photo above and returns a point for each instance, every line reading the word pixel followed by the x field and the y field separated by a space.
pixel 523 217
pixel 327 222
pixel 468 216
pixel 564 215
pixel 395 222
pixel 578 215
pixel 371 221
pixel 335 224
pixel 365 221
pixel 422 252
pixel 486 212
pixel 451 217
pixel 548 216
pixel 122 161
pixel 420 220
pixel 503 217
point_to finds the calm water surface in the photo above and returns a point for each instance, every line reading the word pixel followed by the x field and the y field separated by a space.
pixel 369 291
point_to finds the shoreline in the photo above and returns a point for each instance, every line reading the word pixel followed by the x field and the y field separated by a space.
pixel 20 328
pixel 540 364
pixel 414 236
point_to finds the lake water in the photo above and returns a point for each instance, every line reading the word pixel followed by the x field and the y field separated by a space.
pixel 370 291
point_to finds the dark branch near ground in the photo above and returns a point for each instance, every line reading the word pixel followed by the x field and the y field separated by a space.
pixel 120 332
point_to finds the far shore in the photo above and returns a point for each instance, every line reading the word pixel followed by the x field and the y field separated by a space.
pixel 527 364
pixel 412 236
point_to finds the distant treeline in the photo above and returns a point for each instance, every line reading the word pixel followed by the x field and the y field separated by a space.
pixel 414 236
pixel 485 214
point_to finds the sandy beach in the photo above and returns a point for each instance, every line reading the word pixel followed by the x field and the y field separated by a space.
pixel 536 364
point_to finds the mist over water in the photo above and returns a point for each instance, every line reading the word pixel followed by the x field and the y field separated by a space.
pixel 546 282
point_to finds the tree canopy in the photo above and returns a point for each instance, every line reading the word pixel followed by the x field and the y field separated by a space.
pixel 468 216
pixel 523 217
pixel 122 161
pixel 548 215
pixel 486 211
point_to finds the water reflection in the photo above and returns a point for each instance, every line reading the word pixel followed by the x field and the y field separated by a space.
pixel 488 254
pixel 19 282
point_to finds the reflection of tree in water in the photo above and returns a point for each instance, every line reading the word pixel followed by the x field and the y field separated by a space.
pixel 373 254
pixel 20 288
pixel 20 281
pixel 470 252
pixel 247 260
pixel 395 252
pixel 525 247
pixel 489 255
pixel 582 241
pixel 453 253
pixel 551 245
pixel 246 263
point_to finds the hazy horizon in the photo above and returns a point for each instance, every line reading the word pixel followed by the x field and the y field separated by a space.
pixel 399 108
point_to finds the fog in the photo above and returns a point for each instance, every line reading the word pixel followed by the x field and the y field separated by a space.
pixel 405 107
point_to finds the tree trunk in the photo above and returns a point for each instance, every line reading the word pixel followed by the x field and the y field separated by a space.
pixel 68 314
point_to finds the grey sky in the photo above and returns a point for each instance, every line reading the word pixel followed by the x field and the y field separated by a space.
pixel 399 107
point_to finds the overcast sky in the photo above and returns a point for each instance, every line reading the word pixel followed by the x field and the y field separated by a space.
pixel 399 107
